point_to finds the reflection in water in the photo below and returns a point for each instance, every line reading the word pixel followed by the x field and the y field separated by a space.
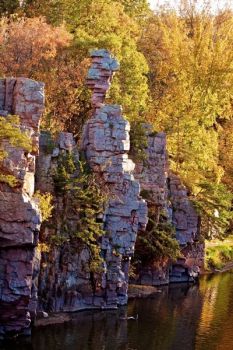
pixel 215 329
pixel 179 318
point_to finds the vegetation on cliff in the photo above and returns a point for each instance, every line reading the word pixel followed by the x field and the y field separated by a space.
pixel 176 72
pixel 158 242
pixel 190 60
pixel 10 133
pixel 82 197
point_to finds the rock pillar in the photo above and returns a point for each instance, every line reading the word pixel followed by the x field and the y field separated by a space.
pixel 106 144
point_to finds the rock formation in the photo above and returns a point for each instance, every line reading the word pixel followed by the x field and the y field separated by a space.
pixel 169 195
pixel 106 143
pixel 19 213
pixel 65 284
pixel 100 76
pixel 152 175
pixel 64 280
pixel 58 274
pixel 186 223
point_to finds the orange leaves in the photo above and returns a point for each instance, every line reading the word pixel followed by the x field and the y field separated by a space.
pixel 32 48
pixel 27 44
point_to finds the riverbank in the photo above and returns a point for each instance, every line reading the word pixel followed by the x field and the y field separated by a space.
pixel 225 268
pixel 134 292
pixel 219 255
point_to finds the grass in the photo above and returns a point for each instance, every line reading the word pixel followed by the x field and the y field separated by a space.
pixel 218 254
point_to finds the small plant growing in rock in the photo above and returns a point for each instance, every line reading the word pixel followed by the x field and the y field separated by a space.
pixel 45 204
pixel 10 132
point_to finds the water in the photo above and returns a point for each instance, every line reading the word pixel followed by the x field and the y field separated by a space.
pixel 178 318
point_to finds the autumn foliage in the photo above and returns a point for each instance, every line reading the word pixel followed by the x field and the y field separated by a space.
pixel 176 72
pixel 29 45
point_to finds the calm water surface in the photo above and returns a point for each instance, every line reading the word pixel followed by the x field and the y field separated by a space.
pixel 178 318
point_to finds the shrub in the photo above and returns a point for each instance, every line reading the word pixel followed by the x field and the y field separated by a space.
pixel 45 204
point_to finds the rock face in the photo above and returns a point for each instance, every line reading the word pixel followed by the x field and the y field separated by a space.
pixel 65 283
pixel 19 213
pixel 58 278
pixel 186 222
pixel 169 196
pixel 106 143
pixel 152 175
pixel 100 75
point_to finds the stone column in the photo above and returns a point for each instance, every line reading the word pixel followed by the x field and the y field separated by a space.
pixel 106 144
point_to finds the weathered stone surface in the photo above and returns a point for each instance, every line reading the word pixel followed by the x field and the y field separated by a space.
pixel 19 213
pixel 186 222
pixel 153 175
pixel 62 276
pixel 100 75
pixel 106 143
pixel 167 193
pixel 64 281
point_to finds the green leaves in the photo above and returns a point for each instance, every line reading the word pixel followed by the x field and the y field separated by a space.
pixel 10 132
pixel 158 241
pixel 190 59
pixel 79 188
pixel 214 203
pixel 45 204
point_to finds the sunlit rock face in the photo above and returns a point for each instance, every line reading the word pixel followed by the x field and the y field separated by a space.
pixel 100 76
pixel 19 214
pixel 106 145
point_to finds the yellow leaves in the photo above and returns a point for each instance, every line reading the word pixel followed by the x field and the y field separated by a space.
pixel 104 25
pixel 45 204
pixel 10 133
pixel 191 79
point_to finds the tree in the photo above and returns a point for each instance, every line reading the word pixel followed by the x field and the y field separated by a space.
pixel 32 48
pixel 29 45
pixel 190 59
pixel 8 7
pixel 226 152
pixel 214 204
pixel 112 25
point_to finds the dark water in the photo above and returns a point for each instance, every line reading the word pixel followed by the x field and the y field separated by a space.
pixel 178 318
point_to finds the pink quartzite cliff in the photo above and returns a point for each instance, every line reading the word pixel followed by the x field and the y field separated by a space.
pixel 19 214
pixel 106 144
pixel 58 279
